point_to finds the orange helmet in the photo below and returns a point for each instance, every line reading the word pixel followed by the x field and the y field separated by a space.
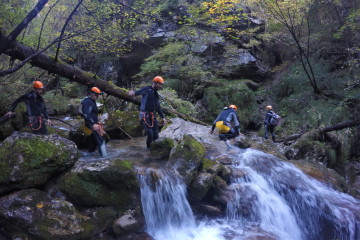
pixel 38 84
pixel 233 107
pixel 268 107
pixel 158 79
pixel 95 90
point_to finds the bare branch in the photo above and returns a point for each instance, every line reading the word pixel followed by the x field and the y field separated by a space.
pixel 64 27
pixel 20 65
pixel 42 25
pixel 21 26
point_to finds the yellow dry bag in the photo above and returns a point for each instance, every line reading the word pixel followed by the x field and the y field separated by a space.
pixel 222 128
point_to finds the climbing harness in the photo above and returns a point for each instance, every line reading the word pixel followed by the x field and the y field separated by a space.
pixel 33 120
pixel 101 130
pixel 143 114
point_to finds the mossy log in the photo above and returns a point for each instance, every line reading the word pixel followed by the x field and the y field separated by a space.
pixel 324 130
pixel 19 51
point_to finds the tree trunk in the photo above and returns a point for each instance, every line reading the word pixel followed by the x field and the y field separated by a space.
pixel 19 51
pixel 326 129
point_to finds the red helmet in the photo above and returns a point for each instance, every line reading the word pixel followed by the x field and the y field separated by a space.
pixel 233 107
pixel 38 84
pixel 158 79
pixel 95 90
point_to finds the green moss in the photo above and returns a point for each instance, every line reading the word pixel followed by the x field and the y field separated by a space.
pixel 161 148
pixel 207 164
pixel 5 168
pixel 190 149
pixel 128 121
pixel 123 164
pixel 230 92
pixel 114 186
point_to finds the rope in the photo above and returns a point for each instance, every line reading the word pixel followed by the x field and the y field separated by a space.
pixel 113 120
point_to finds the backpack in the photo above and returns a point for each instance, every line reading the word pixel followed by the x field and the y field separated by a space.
pixel 274 120
pixel 80 107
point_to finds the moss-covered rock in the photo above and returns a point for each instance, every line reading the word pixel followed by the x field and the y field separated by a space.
pixel 187 156
pixel 102 183
pixel 31 214
pixel 5 130
pixel 28 160
pixel 161 148
pixel 201 185
pixel 321 173
pixel 127 121
pixel 312 146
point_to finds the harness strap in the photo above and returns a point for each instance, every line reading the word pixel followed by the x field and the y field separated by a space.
pixel 40 123
pixel 152 119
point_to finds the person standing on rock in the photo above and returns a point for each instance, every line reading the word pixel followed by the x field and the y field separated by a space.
pixel 93 127
pixel 38 116
pixel 224 123
pixel 149 106
pixel 270 122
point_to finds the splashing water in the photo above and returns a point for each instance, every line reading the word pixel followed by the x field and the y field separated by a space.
pixel 167 212
pixel 271 200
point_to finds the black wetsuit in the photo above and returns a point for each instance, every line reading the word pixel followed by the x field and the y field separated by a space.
pixel 36 111
pixel 268 127
pixel 149 105
pixel 228 116
pixel 90 113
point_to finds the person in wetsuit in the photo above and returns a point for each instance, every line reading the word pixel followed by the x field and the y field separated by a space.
pixel 90 114
pixel 38 116
pixel 224 123
pixel 149 106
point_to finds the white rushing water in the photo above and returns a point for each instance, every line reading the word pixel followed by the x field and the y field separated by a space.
pixel 272 199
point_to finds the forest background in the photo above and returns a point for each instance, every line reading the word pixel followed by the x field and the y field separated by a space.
pixel 300 56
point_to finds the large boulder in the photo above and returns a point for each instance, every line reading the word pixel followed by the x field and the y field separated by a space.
pixel 321 173
pixel 186 157
pixel 352 170
pixel 28 160
pixel 161 148
pixel 31 214
pixel 102 183
pixel 122 123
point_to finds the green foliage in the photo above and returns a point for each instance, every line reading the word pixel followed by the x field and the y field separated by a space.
pixel 176 103
pixel 301 110
pixel 230 92
pixel 58 103
pixel 185 71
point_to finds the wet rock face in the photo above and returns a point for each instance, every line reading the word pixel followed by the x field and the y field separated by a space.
pixel 186 157
pixel 31 214
pixel 161 148
pixel 126 224
pixel 28 160
pixel 321 173
pixel 102 183
pixel 353 177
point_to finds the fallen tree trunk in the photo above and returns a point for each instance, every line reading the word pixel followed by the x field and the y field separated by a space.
pixel 326 129
pixel 19 51
pixel 6 117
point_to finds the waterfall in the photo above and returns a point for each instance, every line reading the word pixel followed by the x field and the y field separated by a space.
pixel 167 212
pixel 271 200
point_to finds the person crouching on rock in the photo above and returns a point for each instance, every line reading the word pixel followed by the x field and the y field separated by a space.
pixel 224 123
